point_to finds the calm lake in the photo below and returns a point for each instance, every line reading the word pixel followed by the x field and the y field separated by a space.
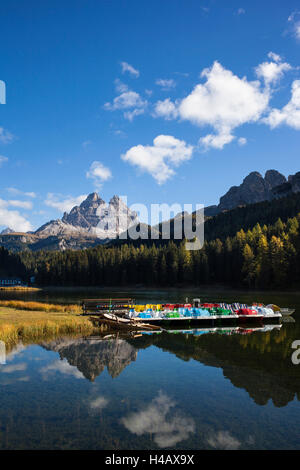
pixel 199 389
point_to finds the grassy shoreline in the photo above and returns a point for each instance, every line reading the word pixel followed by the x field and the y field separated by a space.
pixel 41 306
pixel 20 288
pixel 33 325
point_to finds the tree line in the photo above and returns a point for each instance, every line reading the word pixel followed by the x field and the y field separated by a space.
pixel 264 256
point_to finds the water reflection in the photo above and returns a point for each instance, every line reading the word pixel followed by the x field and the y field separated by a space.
pixel 254 359
pixel 226 388
pixel 161 419
pixel 223 440
pixel 60 366
pixel 91 356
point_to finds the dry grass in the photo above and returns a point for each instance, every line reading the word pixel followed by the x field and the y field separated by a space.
pixel 20 288
pixel 23 325
pixel 40 306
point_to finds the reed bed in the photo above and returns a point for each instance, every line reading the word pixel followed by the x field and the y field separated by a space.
pixel 40 306
pixel 34 331
pixel 36 321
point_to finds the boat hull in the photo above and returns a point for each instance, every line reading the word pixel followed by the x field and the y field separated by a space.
pixel 210 321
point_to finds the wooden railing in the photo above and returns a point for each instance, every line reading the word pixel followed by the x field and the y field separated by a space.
pixel 98 306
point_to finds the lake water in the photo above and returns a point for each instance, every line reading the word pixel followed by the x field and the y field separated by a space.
pixel 201 389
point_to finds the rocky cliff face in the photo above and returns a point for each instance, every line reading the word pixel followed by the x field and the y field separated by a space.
pixel 288 187
pixel 254 188
pixel 93 218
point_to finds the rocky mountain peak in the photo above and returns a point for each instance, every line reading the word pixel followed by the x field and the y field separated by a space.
pixel 116 201
pixel 254 188
pixel 6 231
pixel 94 217
pixel 274 178
pixel 91 199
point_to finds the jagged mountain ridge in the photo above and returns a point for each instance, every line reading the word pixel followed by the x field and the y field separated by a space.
pixel 92 218
pixel 94 222
pixel 256 188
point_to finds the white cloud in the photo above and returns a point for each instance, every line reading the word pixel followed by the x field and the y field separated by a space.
pixel 242 141
pixel 275 57
pixel 130 115
pixel 130 69
pixel 13 219
pixel 166 84
pixel 294 20
pixel 166 109
pixel 223 102
pixel 3 159
pixel 21 204
pixel 167 426
pixel 290 113
pixel 241 11
pixel 159 160
pixel 273 71
pixel 99 173
pixel 216 141
pixel 120 86
pixel 64 203
pixel 21 193
pixel 127 100
pixel 5 136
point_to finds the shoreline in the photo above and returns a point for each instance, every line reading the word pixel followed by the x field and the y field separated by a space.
pixel 20 288
pixel 18 325
pixel 139 288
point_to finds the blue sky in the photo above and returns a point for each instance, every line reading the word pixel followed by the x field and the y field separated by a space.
pixel 171 101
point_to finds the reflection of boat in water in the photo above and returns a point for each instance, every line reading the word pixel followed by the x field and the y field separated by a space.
pixel 224 331
pixel 289 319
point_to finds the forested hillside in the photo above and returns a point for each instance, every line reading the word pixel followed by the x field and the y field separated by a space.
pixel 238 251
pixel 266 256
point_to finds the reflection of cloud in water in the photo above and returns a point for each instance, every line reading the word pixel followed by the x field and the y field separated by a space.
pixel 225 441
pixel 13 368
pixel 10 381
pixel 98 403
pixel 63 367
pixel 18 349
pixel 155 419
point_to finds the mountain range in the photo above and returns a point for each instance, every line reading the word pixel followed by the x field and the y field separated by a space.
pixel 256 188
pixel 94 221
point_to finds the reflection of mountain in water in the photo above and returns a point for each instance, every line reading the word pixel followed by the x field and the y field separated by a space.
pixel 260 363
pixel 91 356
